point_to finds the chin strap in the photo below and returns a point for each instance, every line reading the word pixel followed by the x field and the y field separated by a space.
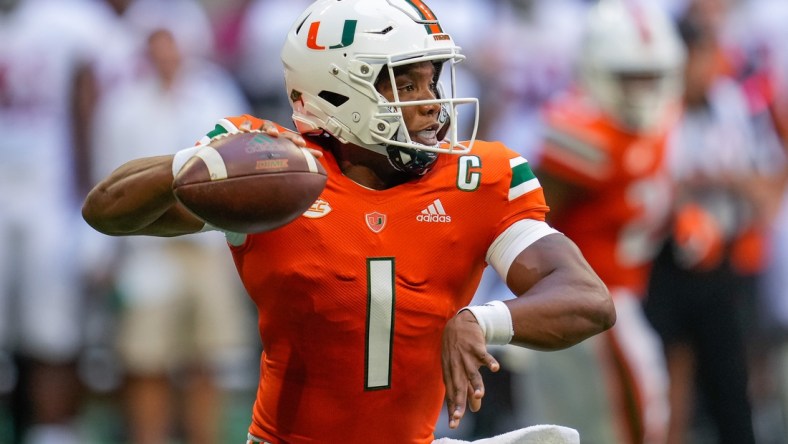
pixel 411 161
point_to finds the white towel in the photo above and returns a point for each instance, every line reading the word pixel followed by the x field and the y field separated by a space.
pixel 538 434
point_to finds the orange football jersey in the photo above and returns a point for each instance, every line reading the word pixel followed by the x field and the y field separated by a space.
pixel 620 218
pixel 353 296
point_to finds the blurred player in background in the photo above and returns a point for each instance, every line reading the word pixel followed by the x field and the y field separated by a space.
pixel 602 167
pixel 704 280
pixel 47 90
pixel 756 31
pixel 363 80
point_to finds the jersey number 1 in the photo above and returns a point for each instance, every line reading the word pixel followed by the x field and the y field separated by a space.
pixel 380 323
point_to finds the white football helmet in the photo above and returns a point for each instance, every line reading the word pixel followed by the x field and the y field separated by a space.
pixel 332 58
pixel 632 61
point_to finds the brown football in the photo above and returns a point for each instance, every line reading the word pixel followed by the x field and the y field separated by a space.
pixel 249 182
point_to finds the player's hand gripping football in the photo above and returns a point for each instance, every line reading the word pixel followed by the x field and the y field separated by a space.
pixel 270 129
pixel 464 352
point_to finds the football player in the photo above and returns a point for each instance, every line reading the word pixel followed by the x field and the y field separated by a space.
pixel 362 303
pixel 602 167
pixel 47 88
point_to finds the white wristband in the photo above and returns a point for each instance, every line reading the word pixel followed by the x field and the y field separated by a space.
pixel 181 157
pixel 495 321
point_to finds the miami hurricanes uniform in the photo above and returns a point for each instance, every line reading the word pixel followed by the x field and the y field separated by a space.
pixel 353 296
pixel 617 223
pixel 619 219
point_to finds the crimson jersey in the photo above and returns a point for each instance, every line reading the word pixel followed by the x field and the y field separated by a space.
pixel 618 221
pixel 353 296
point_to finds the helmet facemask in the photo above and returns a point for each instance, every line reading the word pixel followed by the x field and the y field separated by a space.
pixel 404 153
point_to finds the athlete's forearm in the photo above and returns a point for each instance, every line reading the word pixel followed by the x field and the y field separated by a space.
pixel 562 301
pixel 137 198
pixel 556 316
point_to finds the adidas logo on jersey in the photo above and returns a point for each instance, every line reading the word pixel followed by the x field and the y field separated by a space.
pixel 434 213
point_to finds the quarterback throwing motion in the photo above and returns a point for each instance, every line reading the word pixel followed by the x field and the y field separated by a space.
pixel 362 300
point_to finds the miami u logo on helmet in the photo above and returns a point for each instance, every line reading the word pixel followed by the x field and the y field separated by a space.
pixel 348 36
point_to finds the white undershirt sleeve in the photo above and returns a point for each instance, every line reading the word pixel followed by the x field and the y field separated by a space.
pixel 519 236
pixel 233 238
